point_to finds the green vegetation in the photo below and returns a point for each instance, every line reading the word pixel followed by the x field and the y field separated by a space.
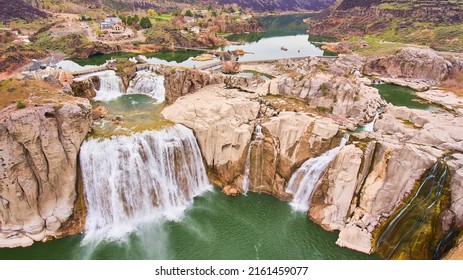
pixel 163 17
pixel 145 23
pixel 374 46
pixel 324 89
pixel 66 44
pixel 322 109
pixel 395 6
pixel 188 13
pixel 20 104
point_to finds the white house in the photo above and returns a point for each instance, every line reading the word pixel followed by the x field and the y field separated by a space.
pixel 194 29
pixel 110 22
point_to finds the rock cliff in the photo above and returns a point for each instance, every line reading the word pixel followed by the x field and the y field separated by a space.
pixel 420 64
pixel 420 22
pixel 38 158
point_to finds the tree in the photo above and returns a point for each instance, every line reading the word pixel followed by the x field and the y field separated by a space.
pixel 124 20
pixel 152 13
pixel 145 23
pixel 188 13
pixel 209 8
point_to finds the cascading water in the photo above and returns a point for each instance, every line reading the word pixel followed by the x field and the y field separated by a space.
pixel 148 83
pixel 413 233
pixel 111 86
pixel 305 179
pixel 259 136
pixel 369 127
pixel 137 179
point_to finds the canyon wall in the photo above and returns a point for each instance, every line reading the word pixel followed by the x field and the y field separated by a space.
pixel 38 158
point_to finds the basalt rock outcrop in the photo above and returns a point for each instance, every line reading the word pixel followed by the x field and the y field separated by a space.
pixel 86 88
pixel 370 178
pixel 332 88
pixel 224 121
pixel 420 64
pixel 181 81
pixel 38 158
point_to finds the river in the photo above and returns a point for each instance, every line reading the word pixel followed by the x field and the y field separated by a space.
pixel 287 31
pixel 217 226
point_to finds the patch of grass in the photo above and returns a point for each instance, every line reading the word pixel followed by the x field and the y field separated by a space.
pixel 21 92
pixel 409 123
pixel 67 44
pixel 395 6
pixel 20 104
pixel 163 17
pixel 376 47
pixel 324 89
pixel 322 109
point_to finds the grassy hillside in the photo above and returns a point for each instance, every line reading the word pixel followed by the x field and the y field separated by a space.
pixel 436 23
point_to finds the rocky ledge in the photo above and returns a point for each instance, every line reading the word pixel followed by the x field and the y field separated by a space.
pixel 255 140
pixel 38 158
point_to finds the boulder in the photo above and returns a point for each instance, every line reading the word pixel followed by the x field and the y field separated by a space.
pixel 416 63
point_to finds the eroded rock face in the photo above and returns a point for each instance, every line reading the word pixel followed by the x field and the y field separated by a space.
pixel 86 88
pixel 182 81
pixel 333 88
pixel 368 181
pixel 224 121
pixel 456 187
pixel 416 63
pixel 38 161
pixel 290 139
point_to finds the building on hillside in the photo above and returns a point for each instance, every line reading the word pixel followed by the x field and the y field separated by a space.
pixel 110 22
pixel 194 29
pixel 118 28
pixel 189 19
pixel 22 39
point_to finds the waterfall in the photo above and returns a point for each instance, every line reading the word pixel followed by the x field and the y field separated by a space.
pixel 148 83
pixel 247 169
pixel 369 127
pixel 138 179
pixel 305 179
pixel 412 231
pixel 111 86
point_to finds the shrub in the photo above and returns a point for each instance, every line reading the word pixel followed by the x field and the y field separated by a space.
pixel 20 104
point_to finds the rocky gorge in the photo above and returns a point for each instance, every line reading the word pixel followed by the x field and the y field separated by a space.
pixel 255 133
pixel 372 176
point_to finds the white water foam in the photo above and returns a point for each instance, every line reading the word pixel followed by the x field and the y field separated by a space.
pixel 369 127
pixel 305 179
pixel 148 83
pixel 139 179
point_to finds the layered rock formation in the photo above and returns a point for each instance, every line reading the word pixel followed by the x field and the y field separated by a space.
pixel 419 64
pixel 369 179
pixel 334 88
pixel 224 120
pixel 420 21
pixel 39 151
